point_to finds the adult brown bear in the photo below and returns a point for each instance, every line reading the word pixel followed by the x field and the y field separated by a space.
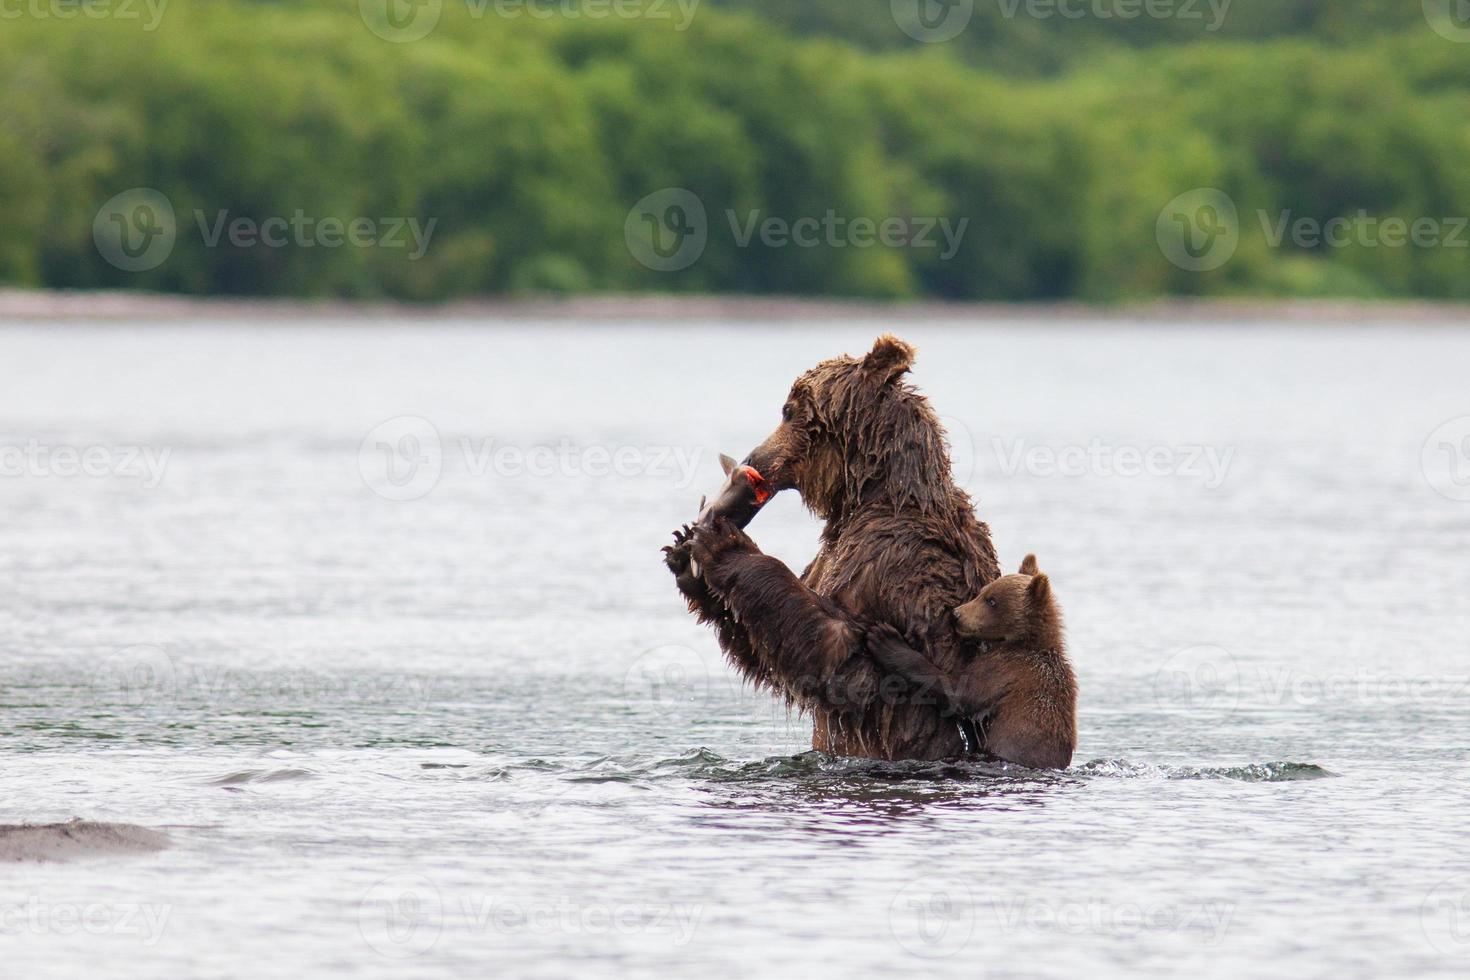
pixel 901 546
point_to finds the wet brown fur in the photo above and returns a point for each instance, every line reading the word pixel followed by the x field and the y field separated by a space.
pixel 1016 683
pixel 901 546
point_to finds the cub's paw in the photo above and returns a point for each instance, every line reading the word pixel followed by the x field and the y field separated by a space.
pixel 715 539
pixel 887 646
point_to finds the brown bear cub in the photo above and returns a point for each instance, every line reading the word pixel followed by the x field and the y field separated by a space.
pixel 1015 684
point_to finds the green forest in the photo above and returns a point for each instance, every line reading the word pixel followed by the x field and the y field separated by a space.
pixel 835 147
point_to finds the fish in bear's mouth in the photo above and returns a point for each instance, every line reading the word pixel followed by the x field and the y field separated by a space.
pixel 745 492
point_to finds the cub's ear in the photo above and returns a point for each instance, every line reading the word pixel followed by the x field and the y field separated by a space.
pixel 1039 590
pixel 890 358
pixel 1028 567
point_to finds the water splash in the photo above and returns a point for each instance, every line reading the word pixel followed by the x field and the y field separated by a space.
pixel 1260 772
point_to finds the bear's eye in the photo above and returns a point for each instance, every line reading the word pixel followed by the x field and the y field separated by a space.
pixel 992 603
pixel 787 412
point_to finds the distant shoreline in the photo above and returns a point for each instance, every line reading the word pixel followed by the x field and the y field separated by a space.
pixel 21 305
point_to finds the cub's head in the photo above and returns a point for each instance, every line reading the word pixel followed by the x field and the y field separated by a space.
pixel 1013 609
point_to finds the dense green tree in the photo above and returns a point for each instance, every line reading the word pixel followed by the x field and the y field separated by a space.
pixel 1053 144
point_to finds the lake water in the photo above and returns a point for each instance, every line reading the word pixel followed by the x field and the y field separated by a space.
pixel 371 618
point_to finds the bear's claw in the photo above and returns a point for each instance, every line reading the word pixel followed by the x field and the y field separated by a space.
pixel 709 541
pixel 677 555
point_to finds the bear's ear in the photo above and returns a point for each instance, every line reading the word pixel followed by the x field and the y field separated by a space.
pixel 890 358
pixel 1029 567
pixel 1039 591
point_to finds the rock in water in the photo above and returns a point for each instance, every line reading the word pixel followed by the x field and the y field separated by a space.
pixel 76 839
